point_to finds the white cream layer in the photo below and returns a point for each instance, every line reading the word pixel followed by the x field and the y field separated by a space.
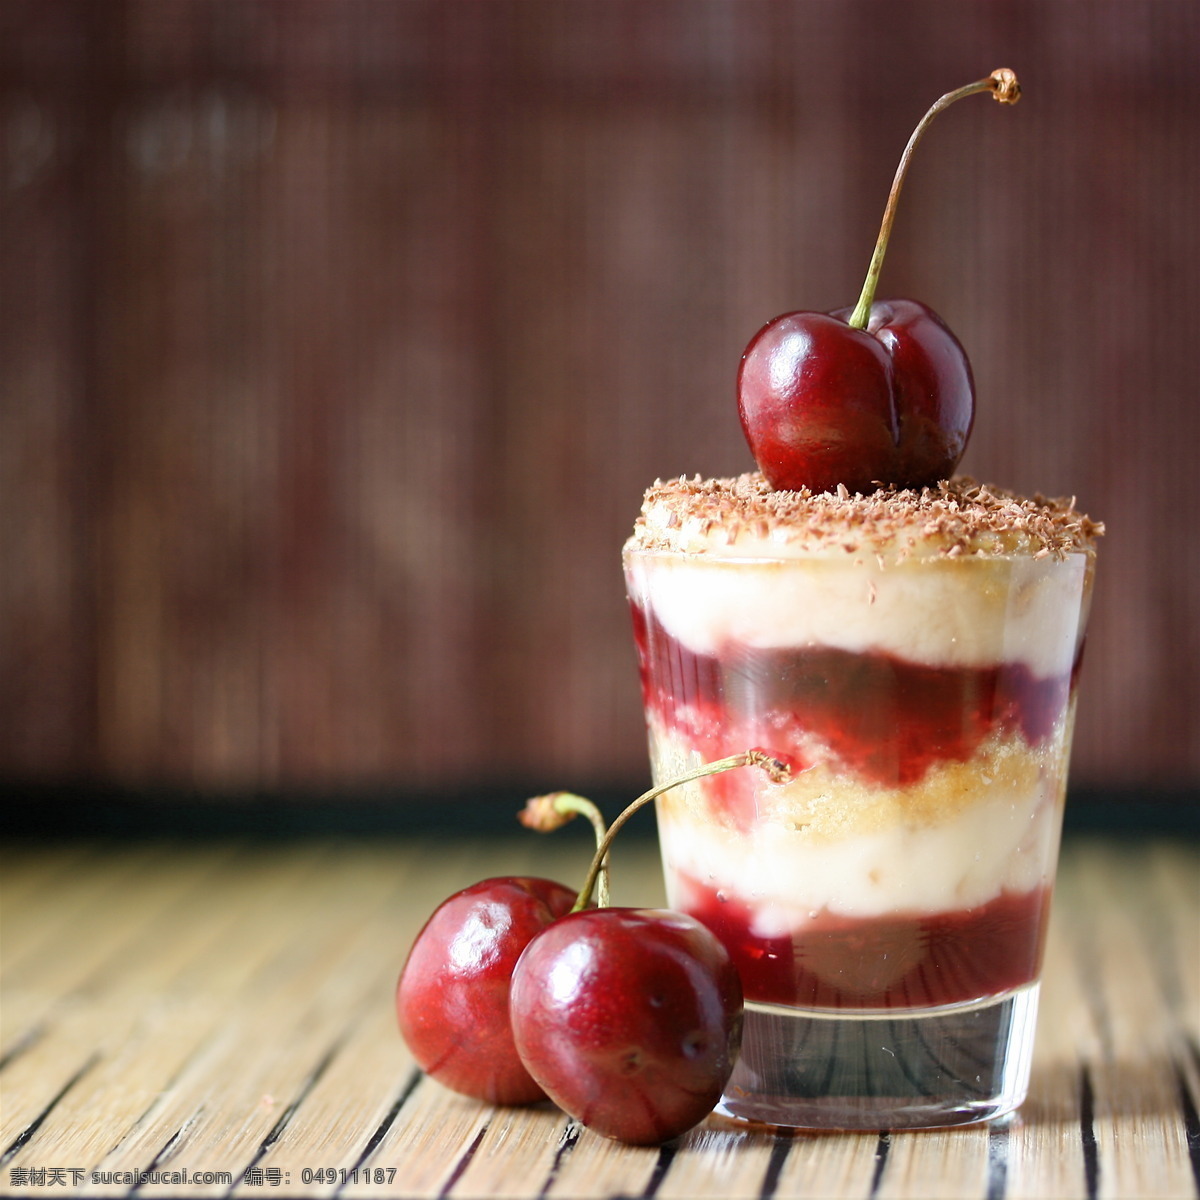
pixel 893 857
pixel 938 612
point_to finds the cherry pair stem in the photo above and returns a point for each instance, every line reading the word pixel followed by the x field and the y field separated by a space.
pixel 776 769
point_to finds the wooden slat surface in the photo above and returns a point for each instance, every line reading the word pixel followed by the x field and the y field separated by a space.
pixel 226 1008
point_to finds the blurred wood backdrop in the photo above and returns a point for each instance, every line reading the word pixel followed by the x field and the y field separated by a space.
pixel 339 340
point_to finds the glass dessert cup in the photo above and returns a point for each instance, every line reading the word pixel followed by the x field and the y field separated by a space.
pixel 887 905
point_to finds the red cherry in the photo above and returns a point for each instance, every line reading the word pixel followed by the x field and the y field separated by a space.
pixel 823 403
pixel 815 401
pixel 630 1019
pixel 878 394
pixel 452 996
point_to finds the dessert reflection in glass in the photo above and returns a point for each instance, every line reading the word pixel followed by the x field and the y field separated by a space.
pixel 912 656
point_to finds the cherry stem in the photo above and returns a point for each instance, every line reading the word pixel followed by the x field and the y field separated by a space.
pixel 553 811
pixel 1003 85
pixel 774 767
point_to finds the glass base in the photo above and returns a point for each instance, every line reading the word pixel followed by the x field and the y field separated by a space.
pixel 894 1069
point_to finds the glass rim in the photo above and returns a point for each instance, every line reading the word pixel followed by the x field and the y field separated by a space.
pixel 855 558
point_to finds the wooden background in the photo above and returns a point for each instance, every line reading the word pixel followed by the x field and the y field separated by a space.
pixel 338 342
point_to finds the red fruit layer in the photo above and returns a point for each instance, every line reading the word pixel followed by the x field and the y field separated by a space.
pixel 884 719
pixel 897 961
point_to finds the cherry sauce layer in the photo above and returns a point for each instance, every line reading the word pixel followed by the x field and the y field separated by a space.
pixel 902 960
pixel 881 718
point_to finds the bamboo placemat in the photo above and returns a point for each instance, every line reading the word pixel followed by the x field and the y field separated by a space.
pixel 224 1010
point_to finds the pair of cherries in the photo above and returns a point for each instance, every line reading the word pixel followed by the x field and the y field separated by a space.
pixel 628 1019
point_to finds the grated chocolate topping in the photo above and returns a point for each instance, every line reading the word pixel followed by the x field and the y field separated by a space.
pixel 959 516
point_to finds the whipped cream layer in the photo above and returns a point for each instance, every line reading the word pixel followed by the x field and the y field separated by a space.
pixel 821 844
pixel 961 576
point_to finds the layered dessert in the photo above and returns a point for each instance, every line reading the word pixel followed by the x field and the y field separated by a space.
pixel 912 656
pixel 908 642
